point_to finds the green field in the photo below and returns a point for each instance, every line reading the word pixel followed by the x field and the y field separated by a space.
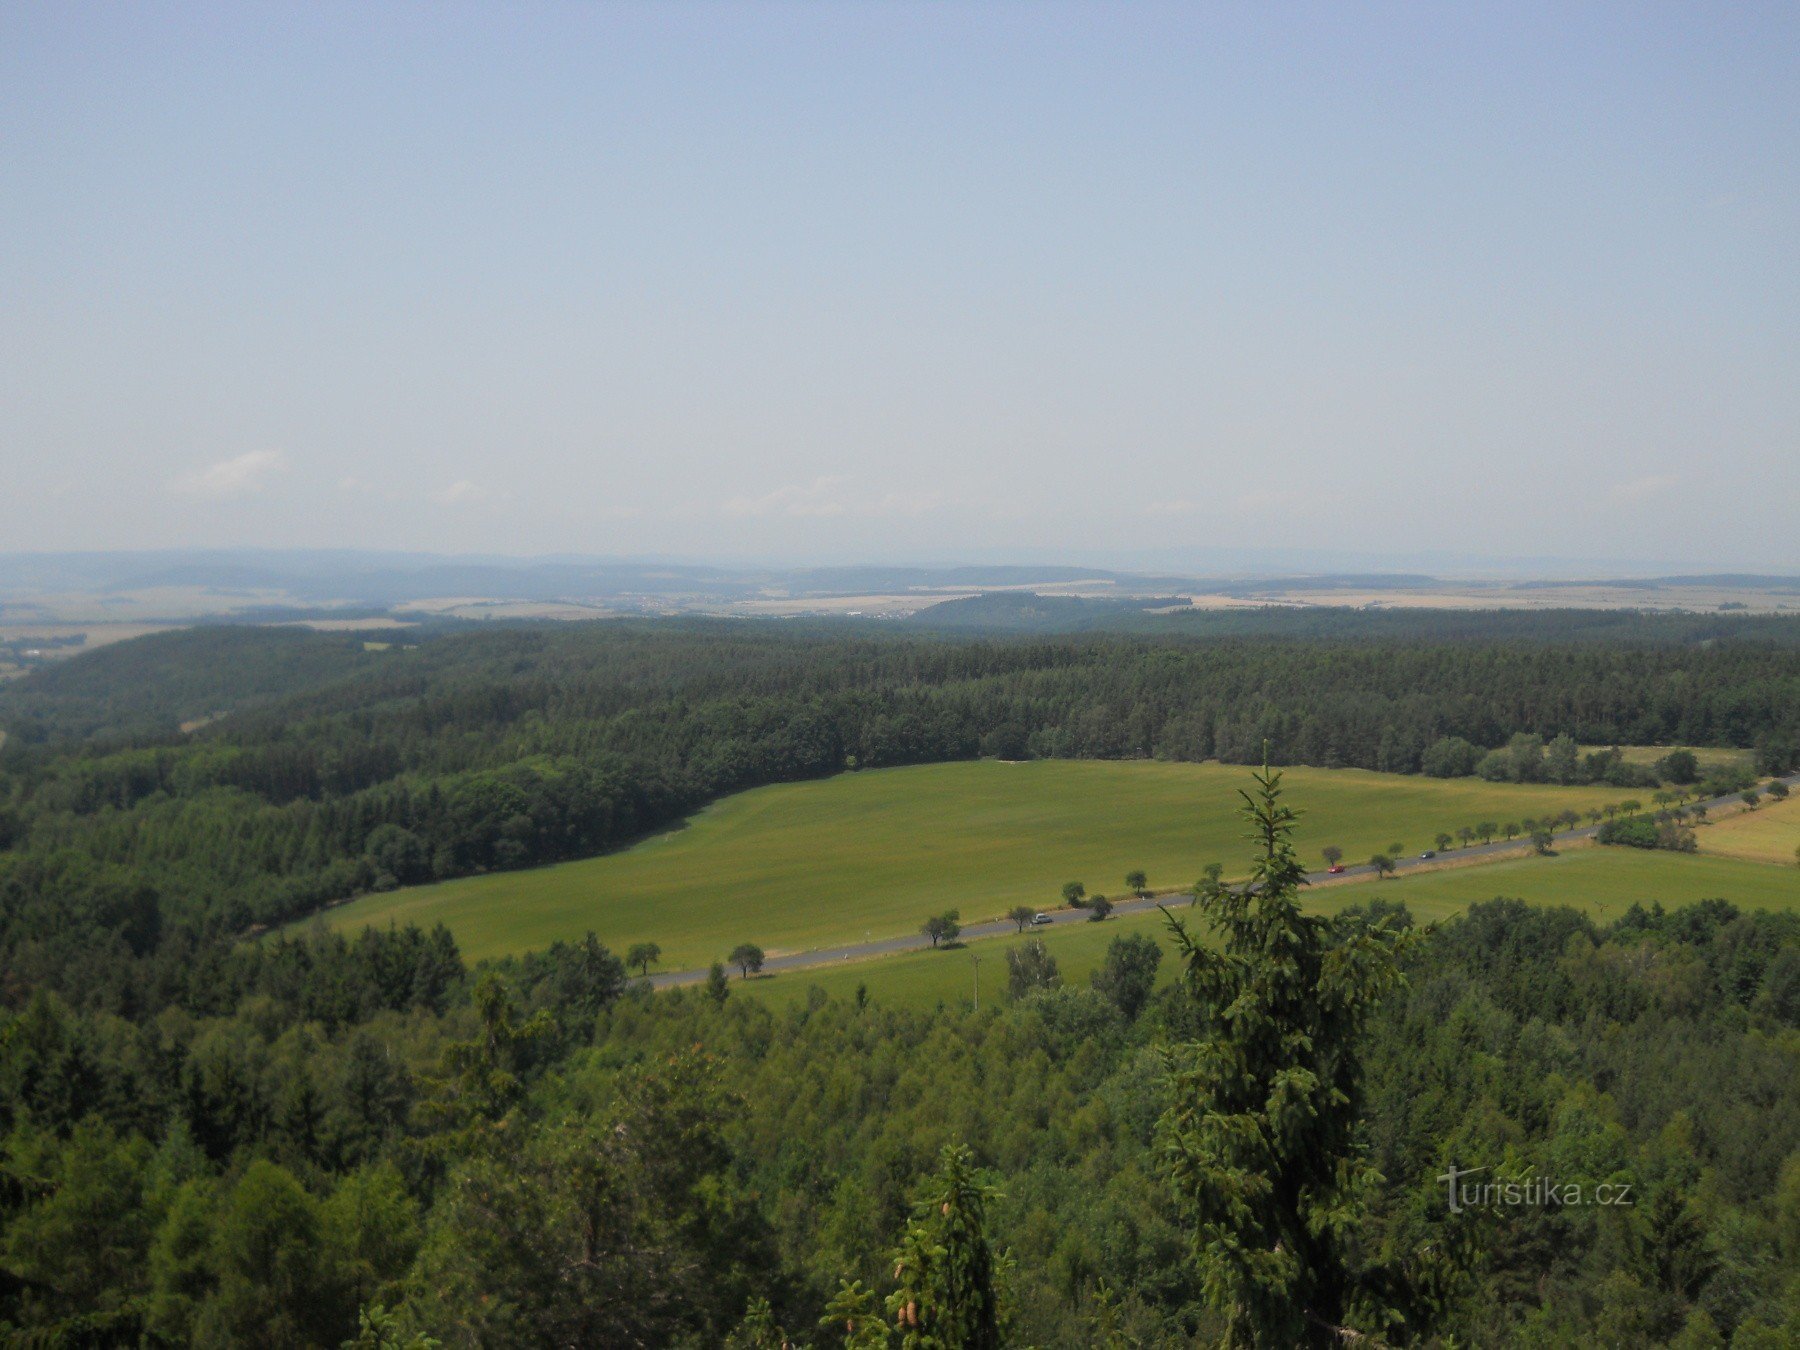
pixel 1601 882
pixel 806 865
pixel 1712 758
pixel 1768 834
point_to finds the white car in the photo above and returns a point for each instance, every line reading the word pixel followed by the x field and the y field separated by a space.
pixel 1040 918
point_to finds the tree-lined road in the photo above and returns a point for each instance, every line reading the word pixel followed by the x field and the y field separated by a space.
pixel 912 942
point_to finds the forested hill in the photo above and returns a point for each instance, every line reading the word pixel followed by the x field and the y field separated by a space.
pixel 339 769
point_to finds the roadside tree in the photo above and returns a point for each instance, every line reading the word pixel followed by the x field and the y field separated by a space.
pixel 643 955
pixel 747 957
pixel 943 927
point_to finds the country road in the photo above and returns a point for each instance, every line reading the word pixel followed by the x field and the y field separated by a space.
pixel 912 942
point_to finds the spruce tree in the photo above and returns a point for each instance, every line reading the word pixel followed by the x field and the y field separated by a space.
pixel 945 1270
pixel 1260 1136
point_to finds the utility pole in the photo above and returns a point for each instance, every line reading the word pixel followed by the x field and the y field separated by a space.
pixel 977 960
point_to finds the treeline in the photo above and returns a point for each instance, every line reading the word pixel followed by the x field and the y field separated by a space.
pixel 516 745
pixel 318 1134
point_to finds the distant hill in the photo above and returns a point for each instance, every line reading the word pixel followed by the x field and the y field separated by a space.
pixel 1028 612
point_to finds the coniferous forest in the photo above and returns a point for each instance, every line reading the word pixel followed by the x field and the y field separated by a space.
pixel 212 1134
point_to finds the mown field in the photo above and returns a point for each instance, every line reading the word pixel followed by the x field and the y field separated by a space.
pixel 1712 758
pixel 1600 882
pixel 837 860
pixel 1768 834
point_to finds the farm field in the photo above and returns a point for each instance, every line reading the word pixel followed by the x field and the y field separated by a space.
pixel 1769 834
pixel 1600 882
pixel 1711 758
pixel 860 855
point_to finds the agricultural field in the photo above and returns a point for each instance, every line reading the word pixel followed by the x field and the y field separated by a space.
pixel 1600 882
pixel 1711 758
pixel 838 860
pixel 1769 834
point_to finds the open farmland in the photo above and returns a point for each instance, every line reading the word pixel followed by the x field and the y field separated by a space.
pixel 1769 834
pixel 837 860
pixel 1601 883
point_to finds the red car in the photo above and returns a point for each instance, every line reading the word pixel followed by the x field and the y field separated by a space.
pixel 1335 868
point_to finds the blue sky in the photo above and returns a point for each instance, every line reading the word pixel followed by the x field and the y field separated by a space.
pixel 822 282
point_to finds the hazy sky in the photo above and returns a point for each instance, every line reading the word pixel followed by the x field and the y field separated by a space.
pixel 814 282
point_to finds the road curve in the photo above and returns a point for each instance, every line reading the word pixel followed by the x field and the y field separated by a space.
pixel 912 942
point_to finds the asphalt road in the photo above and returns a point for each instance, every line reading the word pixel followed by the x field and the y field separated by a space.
pixel 912 942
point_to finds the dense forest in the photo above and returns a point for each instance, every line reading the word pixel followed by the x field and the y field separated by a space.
pixel 323 1142
pixel 320 765
pixel 318 1140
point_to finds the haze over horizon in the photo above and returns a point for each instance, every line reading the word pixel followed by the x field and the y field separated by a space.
pixel 903 282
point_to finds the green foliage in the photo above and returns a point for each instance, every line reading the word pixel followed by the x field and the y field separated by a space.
pixel 613 1222
pixel 1029 968
pixel 718 985
pixel 1644 832
pixel 643 955
pixel 1678 766
pixel 481 1079
pixel 1260 1135
pixel 853 1319
pixel 945 927
pixel 1129 973
pixel 748 958
pixel 945 1270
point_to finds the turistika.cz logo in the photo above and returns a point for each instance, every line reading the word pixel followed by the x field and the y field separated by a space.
pixel 1507 1192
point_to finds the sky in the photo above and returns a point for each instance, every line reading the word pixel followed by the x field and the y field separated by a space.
pixel 903 282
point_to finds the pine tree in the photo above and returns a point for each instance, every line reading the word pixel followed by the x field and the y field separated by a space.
pixel 945 1270
pixel 1259 1138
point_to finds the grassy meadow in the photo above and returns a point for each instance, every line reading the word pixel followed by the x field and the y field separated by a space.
pixel 1768 834
pixel 1600 882
pixel 1711 758
pixel 804 865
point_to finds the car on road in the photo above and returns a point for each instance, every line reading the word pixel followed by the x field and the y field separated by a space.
pixel 1040 918
pixel 1429 853
pixel 1335 868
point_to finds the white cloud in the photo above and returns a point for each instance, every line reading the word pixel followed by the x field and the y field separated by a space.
pixel 462 490
pixel 1641 489
pixel 817 498
pixel 233 477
